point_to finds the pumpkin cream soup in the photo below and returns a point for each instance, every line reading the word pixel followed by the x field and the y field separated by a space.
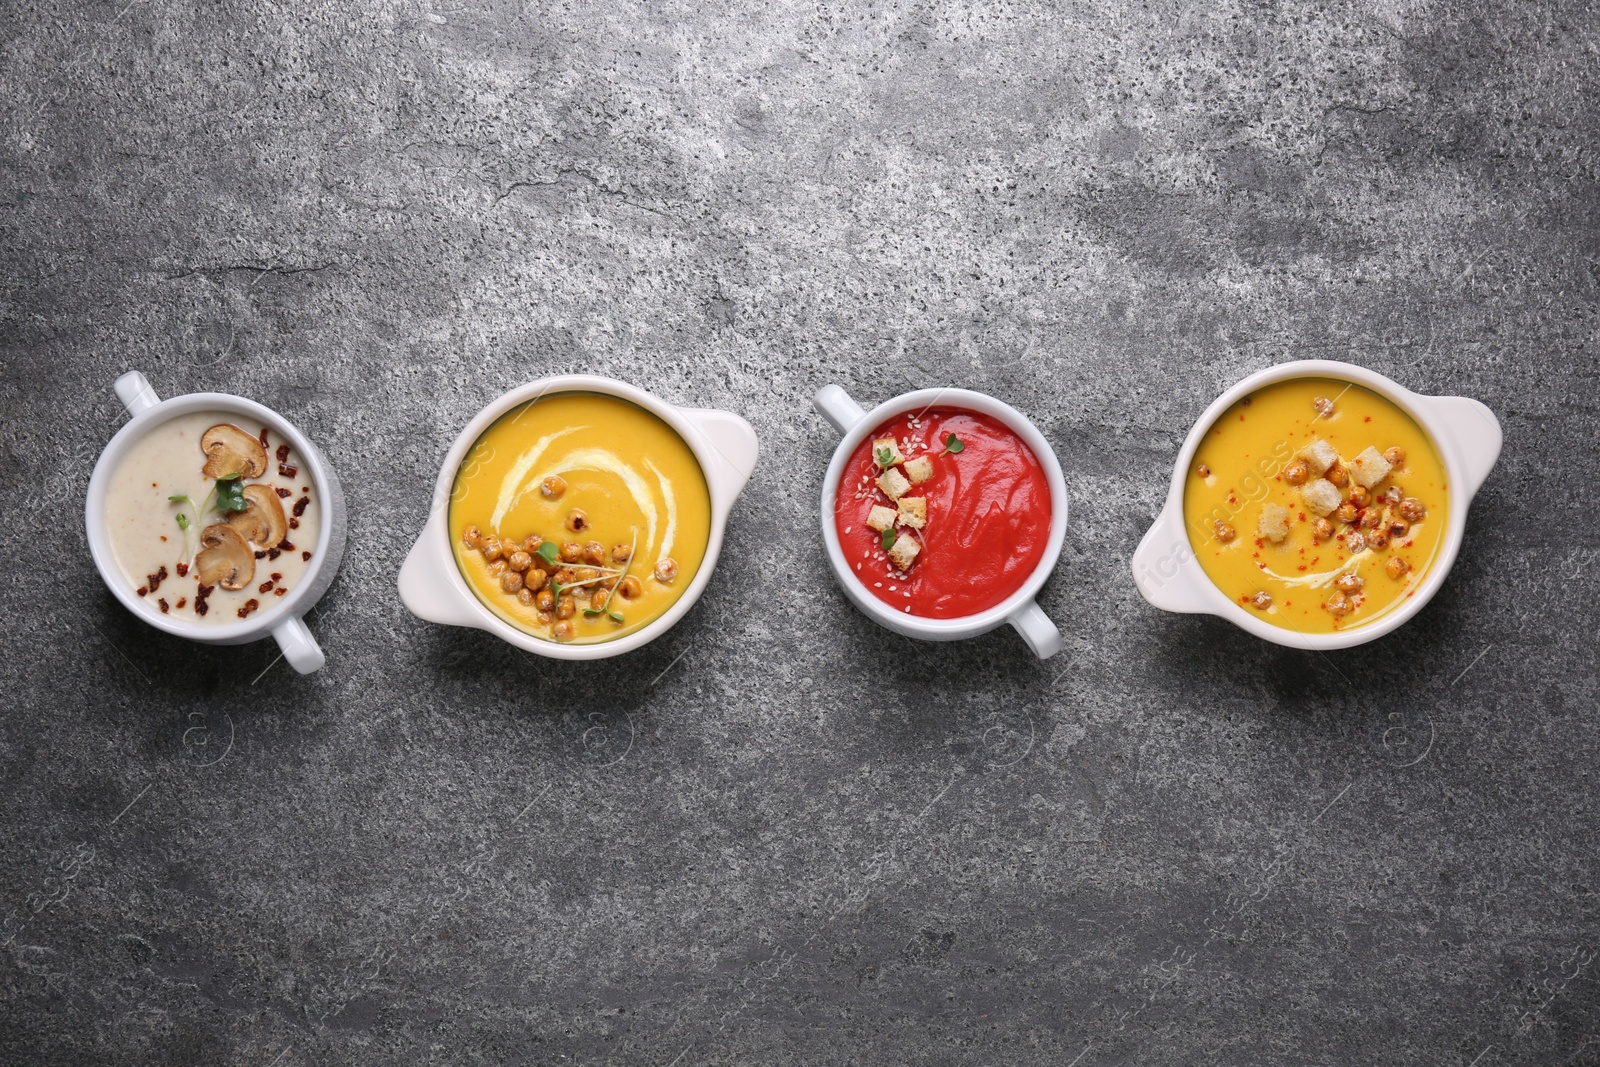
pixel 579 517
pixel 1316 503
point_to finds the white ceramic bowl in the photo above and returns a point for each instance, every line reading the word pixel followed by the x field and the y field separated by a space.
pixel 283 618
pixel 1020 608
pixel 431 584
pixel 1465 432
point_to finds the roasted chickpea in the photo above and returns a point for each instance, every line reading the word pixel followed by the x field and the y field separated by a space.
pixel 472 537
pixel 1359 496
pixel 577 519
pixel 510 582
pixel 1396 568
pixel 565 606
pixel 1346 513
pixel 630 588
pixel 545 600
pixel 1349 583
pixel 563 630
pixel 1225 531
pixel 519 561
pixel 1390 496
pixel 1355 542
pixel 491 549
pixel 1337 475
pixel 594 552
pixel 1369 517
pixel 566 575
pixel 497 568
pixel 587 574
pixel 1322 529
pixel 1296 472
pixel 1261 601
pixel 525 597
pixel 545 617
pixel 1338 604
pixel 571 552
pixel 620 553
pixel 666 569
pixel 531 543
pixel 1395 456
pixel 1323 405
pixel 1378 539
pixel 1411 509
pixel 1399 528
pixel 552 487
pixel 1203 471
pixel 535 579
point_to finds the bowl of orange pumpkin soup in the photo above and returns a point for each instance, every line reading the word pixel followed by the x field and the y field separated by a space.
pixel 1317 504
pixel 943 512
pixel 578 517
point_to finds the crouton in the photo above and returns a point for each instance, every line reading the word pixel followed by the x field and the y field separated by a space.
pixel 880 518
pixel 1274 525
pixel 1321 496
pixel 889 445
pixel 893 484
pixel 913 511
pixel 1319 455
pixel 1369 468
pixel 919 470
pixel 903 551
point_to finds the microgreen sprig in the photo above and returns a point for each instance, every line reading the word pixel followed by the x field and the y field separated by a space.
pixel 952 445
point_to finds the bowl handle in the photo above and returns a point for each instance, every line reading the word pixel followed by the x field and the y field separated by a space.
pixel 1036 628
pixel 1165 568
pixel 1475 433
pixel 425 586
pixel 735 443
pixel 134 390
pixel 835 405
pixel 299 647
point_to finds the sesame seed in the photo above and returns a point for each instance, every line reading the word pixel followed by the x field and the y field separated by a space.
pixel 877 585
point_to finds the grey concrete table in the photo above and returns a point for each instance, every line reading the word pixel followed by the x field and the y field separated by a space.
pixel 780 834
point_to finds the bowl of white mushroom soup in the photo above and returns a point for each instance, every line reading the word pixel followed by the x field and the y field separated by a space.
pixel 211 517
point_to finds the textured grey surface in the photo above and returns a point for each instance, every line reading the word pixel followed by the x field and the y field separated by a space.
pixel 779 834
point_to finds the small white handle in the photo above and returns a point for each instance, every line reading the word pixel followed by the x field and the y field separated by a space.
pixel 1474 432
pixel 425 586
pixel 134 390
pixel 1036 628
pixel 734 441
pixel 835 405
pixel 299 647
pixel 1166 571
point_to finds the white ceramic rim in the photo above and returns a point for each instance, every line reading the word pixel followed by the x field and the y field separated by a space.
pixel 691 434
pixel 271 616
pixel 1413 404
pixel 989 618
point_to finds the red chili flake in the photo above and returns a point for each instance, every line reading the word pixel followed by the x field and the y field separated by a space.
pixel 287 546
pixel 263 437
pixel 141 590
pixel 249 606
pixel 305 489
pixel 280 591
pixel 283 493
pixel 305 555
pixel 162 604
pixel 1302 566
pixel 154 580
pixel 183 570
pixel 264 587
pixel 272 553
pixel 200 605
pixel 283 453
pixel 294 524
pixel 276 576
pixel 1246 402
pixel 181 602
pixel 288 471
pixel 163 537
pixel 1367 419
pixel 300 505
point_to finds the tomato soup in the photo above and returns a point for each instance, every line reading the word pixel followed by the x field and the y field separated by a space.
pixel 1316 503
pixel 943 513
pixel 579 517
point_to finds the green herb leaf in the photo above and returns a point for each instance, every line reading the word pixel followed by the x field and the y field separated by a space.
pixel 549 552
pixel 555 590
pixel 616 616
pixel 590 613
pixel 885 458
pixel 180 497
pixel 889 537
pixel 953 444
pixel 230 494
pixel 183 522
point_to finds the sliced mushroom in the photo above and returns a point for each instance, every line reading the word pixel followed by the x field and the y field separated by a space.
pixel 229 450
pixel 224 558
pixel 262 519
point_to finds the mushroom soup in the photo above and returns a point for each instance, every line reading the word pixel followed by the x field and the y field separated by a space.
pixel 1317 503
pixel 211 520
pixel 579 517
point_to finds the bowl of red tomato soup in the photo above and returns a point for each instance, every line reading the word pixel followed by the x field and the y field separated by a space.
pixel 943 511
